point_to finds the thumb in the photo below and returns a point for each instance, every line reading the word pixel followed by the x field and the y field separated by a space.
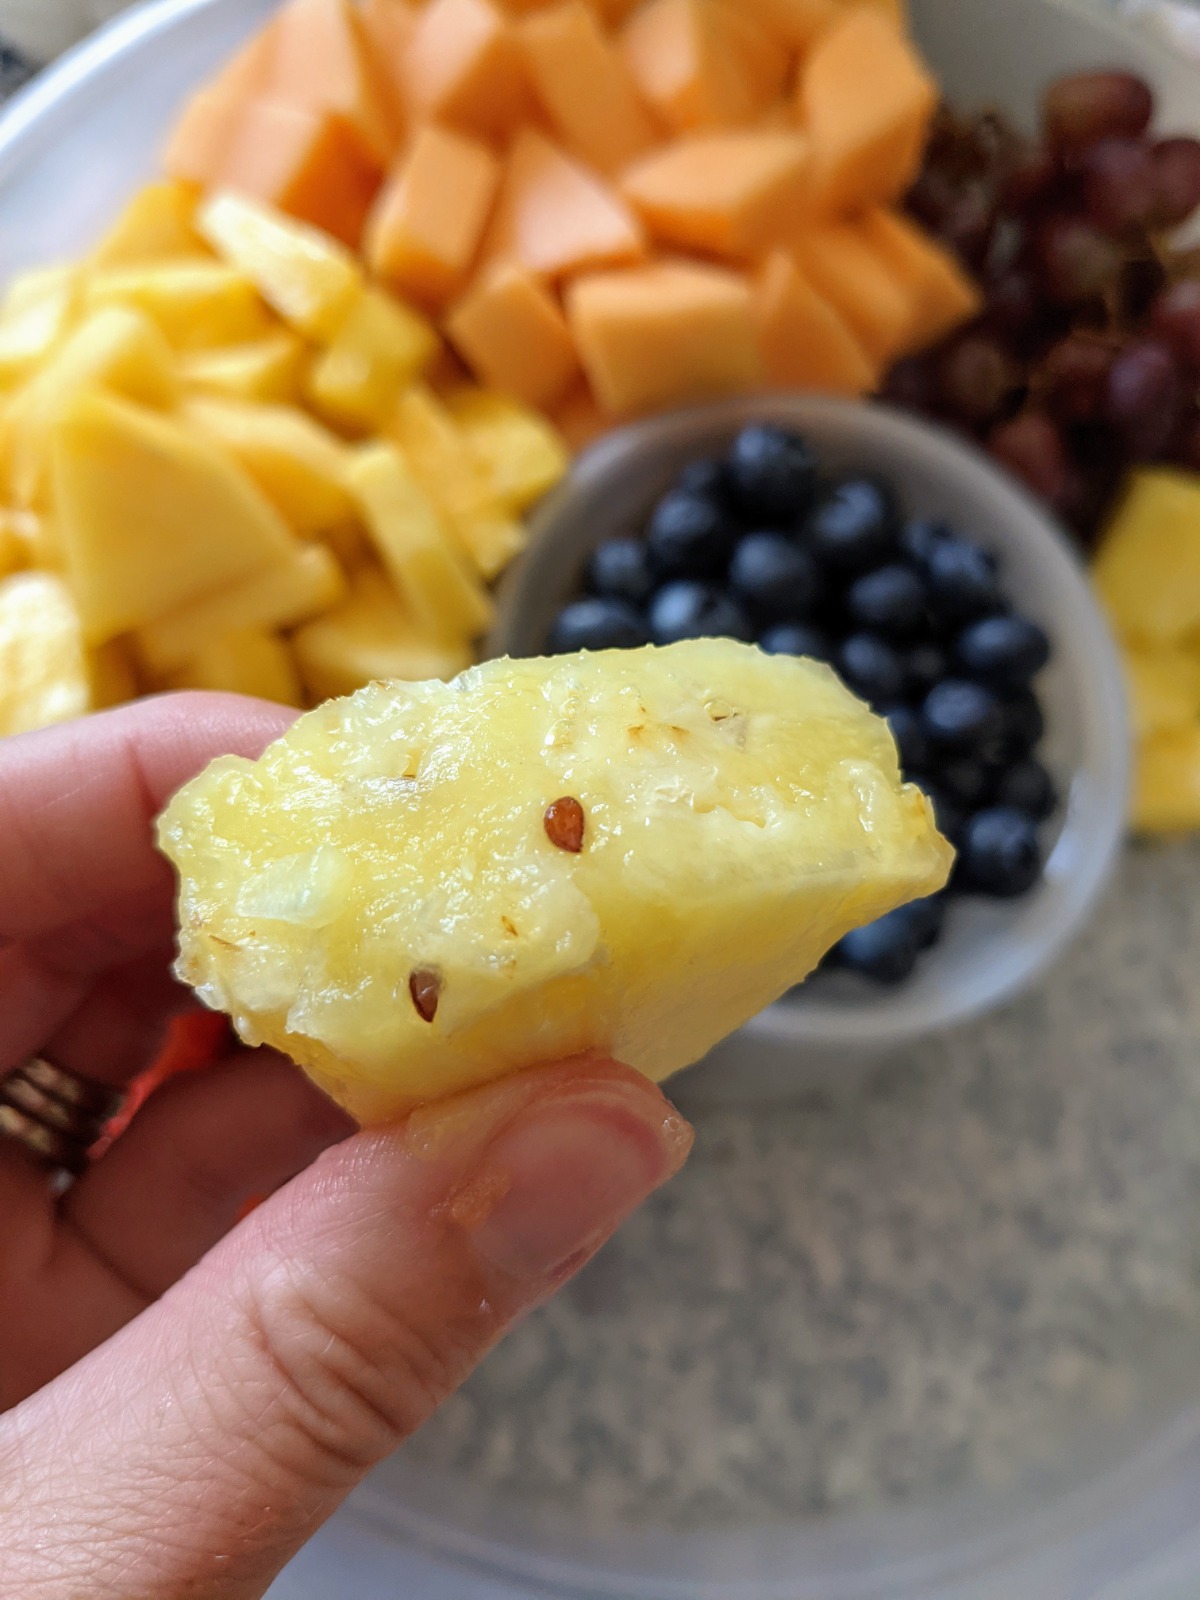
pixel 196 1451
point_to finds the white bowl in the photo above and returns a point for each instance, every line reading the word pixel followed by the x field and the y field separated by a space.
pixel 992 949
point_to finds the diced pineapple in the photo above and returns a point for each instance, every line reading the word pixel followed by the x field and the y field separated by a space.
pixel 244 662
pixel 37 313
pixel 111 676
pixel 197 304
pixel 16 551
pixel 412 540
pixel 384 896
pixel 1167 790
pixel 282 595
pixel 380 348
pixel 269 370
pixel 118 349
pixel 299 465
pixel 43 668
pixel 152 517
pixel 156 225
pixel 1148 566
pixel 309 278
pixel 491 538
pixel 1164 689
pixel 522 455
pixel 372 636
pixel 42 539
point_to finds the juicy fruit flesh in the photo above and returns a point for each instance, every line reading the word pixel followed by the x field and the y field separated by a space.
pixel 742 813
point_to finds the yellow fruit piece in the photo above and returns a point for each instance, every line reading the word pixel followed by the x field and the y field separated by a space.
pixel 447 468
pixel 270 369
pixel 299 465
pixel 282 595
pixel 15 542
pixel 152 515
pixel 111 677
pixel 742 812
pixel 309 278
pixel 38 310
pixel 522 455
pixel 411 538
pixel 118 349
pixel 1167 788
pixel 1164 689
pixel 380 348
pixel 43 669
pixel 244 662
pixel 197 304
pixel 156 225
pixel 1148 566
pixel 491 538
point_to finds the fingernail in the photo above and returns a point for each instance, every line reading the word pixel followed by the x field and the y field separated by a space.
pixel 565 1175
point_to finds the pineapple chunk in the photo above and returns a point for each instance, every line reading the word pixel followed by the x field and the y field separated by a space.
pixel 38 311
pixel 280 596
pixel 197 304
pixel 1167 790
pixel 111 676
pixel 380 348
pixel 309 278
pixel 408 533
pixel 1164 689
pixel 299 465
pixel 244 661
pixel 270 369
pixel 522 455
pixel 16 545
pixel 156 225
pixel 44 674
pixel 1148 567
pixel 151 516
pixel 118 349
pixel 741 813
pixel 491 538
pixel 372 636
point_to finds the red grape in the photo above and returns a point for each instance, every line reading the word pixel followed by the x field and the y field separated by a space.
pixel 1175 180
pixel 967 226
pixel 932 197
pixel 1031 175
pixel 910 385
pixel 1078 261
pixel 976 378
pixel 1074 377
pixel 1176 319
pixel 1032 448
pixel 1119 190
pixel 1014 303
pixel 1146 397
pixel 1079 111
pixel 1187 453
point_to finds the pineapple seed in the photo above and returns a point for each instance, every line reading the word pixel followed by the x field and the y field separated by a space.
pixel 565 824
pixel 426 990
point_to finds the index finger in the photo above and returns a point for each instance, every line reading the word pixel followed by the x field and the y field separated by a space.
pixel 78 802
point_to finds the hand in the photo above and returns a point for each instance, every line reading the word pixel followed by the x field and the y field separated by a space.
pixel 193 1398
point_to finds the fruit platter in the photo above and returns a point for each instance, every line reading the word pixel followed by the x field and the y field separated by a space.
pixel 355 362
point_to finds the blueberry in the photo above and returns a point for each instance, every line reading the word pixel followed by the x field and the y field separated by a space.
pixel 706 478
pixel 774 576
pixel 796 639
pixel 917 539
pixel 1028 787
pixel 909 734
pixel 688 536
pixel 1000 853
pixel 872 668
pixel 950 818
pixel 891 600
pixel 885 951
pixel 773 473
pixel 686 610
pixel 620 570
pixel 1024 725
pixel 925 665
pixel 962 581
pixel 854 527
pixel 597 625
pixel 961 716
pixel 1005 652
pixel 928 918
pixel 968 783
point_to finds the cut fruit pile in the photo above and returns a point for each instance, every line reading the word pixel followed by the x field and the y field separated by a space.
pixel 220 456
pixel 610 208
pixel 427 886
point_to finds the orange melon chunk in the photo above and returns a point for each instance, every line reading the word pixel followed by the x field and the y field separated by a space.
pixel 687 65
pixel 580 420
pixel 388 26
pixel 320 60
pixel 804 342
pixel 795 22
pixel 735 194
pixel 943 295
pixel 202 135
pixel 763 57
pixel 664 335
pixel 246 72
pixel 463 66
pixel 510 330
pixel 554 217
pixel 866 101
pixel 585 86
pixel 841 264
pixel 427 223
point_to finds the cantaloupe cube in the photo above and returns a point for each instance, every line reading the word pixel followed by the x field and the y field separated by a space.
pixel 269 369
pixel 554 217
pixel 511 332
pixel 765 58
pixel 463 66
pixel 156 225
pixel 734 194
pixel 282 595
pixel 580 420
pixel 664 335
pixel 805 343
pixel 942 294
pixel 692 61
pixel 39 309
pixel 795 22
pixel 381 347
pixel 197 304
pixel 522 455
pixel 389 26
pixel 244 662
pixel 322 60
pixel 893 11
pixel 866 100
pixel 428 221
pixel 585 86
pixel 308 278
pixel 247 71
pixel 202 134
pixel 843 266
